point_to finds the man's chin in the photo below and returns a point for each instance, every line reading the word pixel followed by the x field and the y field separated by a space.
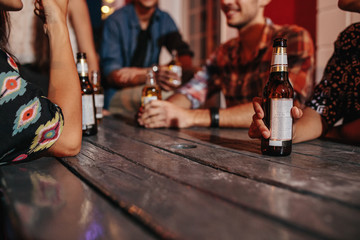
pixel 235 25
pixel 147 6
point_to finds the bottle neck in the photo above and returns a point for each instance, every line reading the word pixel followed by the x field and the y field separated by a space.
pixel 82 67
pixel 150 81
pixel 95 78
pixel 279 61
pixel 174 57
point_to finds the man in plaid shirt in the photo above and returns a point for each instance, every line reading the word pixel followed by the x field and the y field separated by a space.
pixel 239 69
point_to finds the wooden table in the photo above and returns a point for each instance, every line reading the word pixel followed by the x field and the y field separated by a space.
pixel 199 183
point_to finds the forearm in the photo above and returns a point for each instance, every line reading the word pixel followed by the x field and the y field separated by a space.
pixel 64 87
pixel 180 100
pixel 127 77
pixel 239 116
pixel 349 133
pixel 80 19
pixel 308 127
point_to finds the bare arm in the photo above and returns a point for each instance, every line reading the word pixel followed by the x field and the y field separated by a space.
pixel 237 116
pixel 348 133
pixel 127 77
pixel 176 113
pixel 180 100
pixel 64 86
pixel 308 127
pixel 80 19
pixel 307 124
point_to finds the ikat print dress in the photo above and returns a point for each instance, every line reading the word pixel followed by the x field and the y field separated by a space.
pixel 29 122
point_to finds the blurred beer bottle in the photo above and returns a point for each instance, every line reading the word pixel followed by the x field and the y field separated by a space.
pixel 98 94
pixel 89 126
pixel 151 90
pixel 278 97
pixel 175 66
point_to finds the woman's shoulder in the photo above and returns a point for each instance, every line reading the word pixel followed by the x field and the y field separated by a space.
pixel 7 62
pixel 349 39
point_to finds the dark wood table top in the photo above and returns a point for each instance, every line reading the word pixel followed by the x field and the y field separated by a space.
pixel 134 183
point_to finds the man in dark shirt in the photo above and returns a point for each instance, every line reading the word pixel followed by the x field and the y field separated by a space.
pixel 132 40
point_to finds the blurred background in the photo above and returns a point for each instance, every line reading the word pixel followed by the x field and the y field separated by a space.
pixel 203 25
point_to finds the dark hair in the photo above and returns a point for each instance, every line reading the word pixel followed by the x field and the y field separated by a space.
pixel 4 29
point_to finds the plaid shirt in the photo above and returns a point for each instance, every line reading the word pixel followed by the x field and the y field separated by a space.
pixel 241 79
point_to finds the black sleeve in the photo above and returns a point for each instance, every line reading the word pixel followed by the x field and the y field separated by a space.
pixel 173 41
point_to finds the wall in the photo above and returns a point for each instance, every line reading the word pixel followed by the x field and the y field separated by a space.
pixel 299 12
pixel 175 9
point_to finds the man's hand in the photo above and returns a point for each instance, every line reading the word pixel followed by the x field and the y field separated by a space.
pixel 158 114
pixel 257 127
pixel 167 79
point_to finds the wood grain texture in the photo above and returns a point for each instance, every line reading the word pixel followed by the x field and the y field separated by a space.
pixel 134 183
pixel 311 194
pixel 46 201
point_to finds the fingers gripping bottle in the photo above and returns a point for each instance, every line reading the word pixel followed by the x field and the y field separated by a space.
pixel 278 98
pixel 175 66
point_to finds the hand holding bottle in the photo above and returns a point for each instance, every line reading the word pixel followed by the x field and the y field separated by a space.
pixel 166 77
pixel 257 128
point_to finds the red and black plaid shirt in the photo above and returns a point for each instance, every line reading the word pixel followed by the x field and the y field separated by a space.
pixel 241 79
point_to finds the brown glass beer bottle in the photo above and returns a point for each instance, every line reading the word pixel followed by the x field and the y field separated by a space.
pixel 151 90
pixel 278 97
pixel 98 95
pixel 89 126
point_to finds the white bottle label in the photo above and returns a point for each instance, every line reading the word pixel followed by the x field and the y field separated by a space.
pixel 279 59
pixel 99 104
pixel 82 68
pixel 280 121
pixel 87 111
pixel 176 69
pixel 146 100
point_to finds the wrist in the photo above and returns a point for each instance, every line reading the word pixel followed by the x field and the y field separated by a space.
pixel 200 117
pixel 57 32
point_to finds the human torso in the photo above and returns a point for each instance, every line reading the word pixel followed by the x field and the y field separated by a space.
pixel 29 122
pixel 241 80
pixel 338 94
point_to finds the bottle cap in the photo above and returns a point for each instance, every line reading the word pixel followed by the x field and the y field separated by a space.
pixel 80 55
pixel 280 42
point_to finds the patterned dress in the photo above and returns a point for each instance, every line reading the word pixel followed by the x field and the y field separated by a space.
pixel 29 122
pixel 338 94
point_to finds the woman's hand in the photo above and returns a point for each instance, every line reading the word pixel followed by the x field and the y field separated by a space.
pixel 51 11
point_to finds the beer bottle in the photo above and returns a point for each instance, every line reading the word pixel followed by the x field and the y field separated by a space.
pixel 98 95
pixel 277 103
pixel 89 126
pixel 175 67
pixel 151 91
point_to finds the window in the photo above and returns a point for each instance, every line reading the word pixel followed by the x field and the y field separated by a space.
pixel 203 27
